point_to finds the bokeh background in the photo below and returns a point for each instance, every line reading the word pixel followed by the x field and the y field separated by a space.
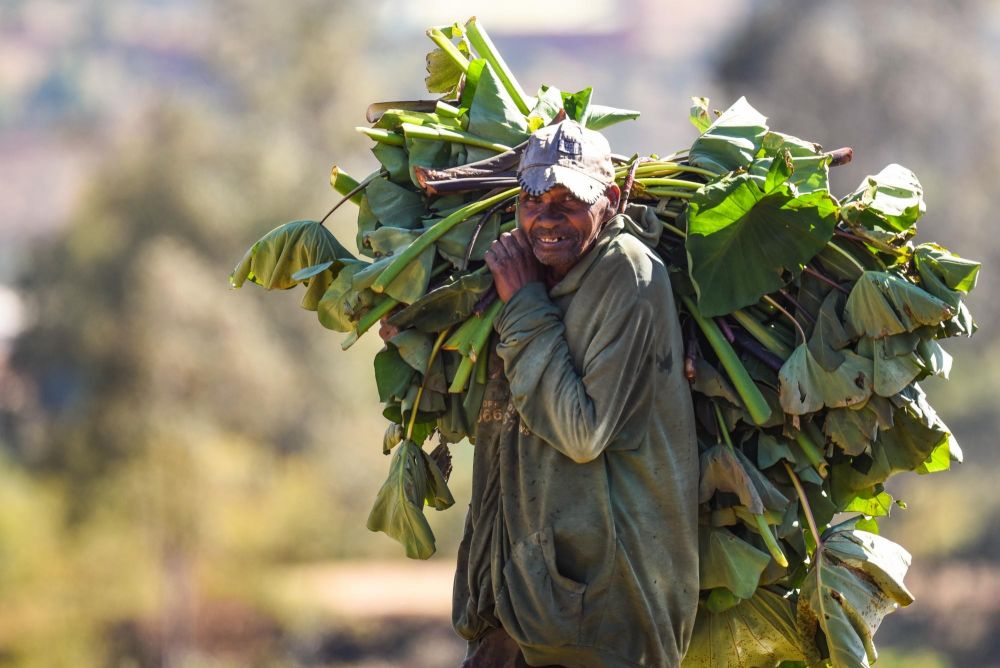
pixel 186 470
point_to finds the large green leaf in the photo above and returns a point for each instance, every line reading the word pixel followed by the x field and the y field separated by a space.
pixel 893 372
pixel 493 114
pixel 742 237
pixel 732 140
pixel 882 304
pixel 454 243
pixel 726 561
pixel 828 335
pixel 343 303
pixel 852 429
pixel 893 199
pixel 602 116
pixel 395 205
pixel 725 469
pixel 277 261
pixel 956 272
pixel 398 509
pixel 757 632
pixel 446 305
pixel 443 74
pixel 855 580
pixel 392 374
pixel 806 386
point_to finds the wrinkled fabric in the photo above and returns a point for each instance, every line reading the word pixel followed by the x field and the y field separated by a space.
pixel 581 536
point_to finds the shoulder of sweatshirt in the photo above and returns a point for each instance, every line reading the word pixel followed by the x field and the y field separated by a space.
pixel 630 268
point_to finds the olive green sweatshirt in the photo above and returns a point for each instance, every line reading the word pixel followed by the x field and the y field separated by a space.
pixel 581 539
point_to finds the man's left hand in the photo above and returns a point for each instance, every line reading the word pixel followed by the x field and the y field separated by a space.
pixel 512 263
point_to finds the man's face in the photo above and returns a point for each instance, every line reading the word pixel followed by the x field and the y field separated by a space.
pixel 561 228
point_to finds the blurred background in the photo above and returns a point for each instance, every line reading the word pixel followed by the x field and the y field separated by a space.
pixel 186 470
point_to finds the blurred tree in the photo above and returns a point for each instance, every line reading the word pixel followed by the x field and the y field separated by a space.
pixel 171 437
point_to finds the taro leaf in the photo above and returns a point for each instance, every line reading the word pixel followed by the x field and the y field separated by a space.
pixel 892 374
pixel 828 336
pixel 872 504
pixel 438 495
pixel 472 76
pixel 893 199
pixel 493 114
pixel 392 436
pixel 423 427
pixel 412 282
pixel 414 347
pixel 728 470
pixel 741 238
pixel 392 374
pixel 275 259
pixel 398 509
pixel 941 457
pixel 721 471
pixel 394 205
pixel 732 141
pixel 444 306
pixel 709 382
pixel 443 74
pixel 935 360
pixel 434 154
pixel 367 221
pixel 699 115
pixel 851 429
pixel 806 386
pixel 577 105
pixel 390 240
pixel 726 561
pixel 342 304
pixel 758 632
pixel 548 102
pixel 602 116
pixel 810 167
pixel 771 450
pixel 721 599
pixel 883 304
pixel 394 160
pixel 856 579
pixel 956 272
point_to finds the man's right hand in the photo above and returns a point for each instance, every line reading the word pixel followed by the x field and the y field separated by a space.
pixel 512 263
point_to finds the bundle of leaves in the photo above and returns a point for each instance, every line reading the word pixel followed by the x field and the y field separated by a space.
pixel 810 321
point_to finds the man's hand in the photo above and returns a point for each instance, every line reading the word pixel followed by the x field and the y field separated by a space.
pixel 512 263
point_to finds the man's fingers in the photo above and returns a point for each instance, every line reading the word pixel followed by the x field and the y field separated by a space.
pixel 521 239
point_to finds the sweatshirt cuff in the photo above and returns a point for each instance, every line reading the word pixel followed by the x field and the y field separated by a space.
pixel 530 307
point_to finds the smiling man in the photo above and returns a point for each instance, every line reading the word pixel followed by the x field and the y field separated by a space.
pixel 581 545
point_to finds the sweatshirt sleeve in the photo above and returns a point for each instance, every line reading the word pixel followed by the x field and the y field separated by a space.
pixel 578 412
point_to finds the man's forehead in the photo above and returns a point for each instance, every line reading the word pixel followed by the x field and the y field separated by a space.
pixel 556 193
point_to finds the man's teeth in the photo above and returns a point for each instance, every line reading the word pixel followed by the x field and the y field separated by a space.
pixel 550 239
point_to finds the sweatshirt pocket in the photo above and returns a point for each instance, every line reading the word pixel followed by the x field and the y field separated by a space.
pixel 538 605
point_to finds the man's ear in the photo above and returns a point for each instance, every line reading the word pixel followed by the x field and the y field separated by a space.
pixel 614 195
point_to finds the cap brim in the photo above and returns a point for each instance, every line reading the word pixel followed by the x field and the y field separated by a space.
pixel 540 179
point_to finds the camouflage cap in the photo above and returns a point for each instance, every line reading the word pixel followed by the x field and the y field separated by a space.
pixel 567 154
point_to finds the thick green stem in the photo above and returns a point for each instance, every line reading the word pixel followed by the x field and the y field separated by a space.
pixel 803 500
pixel 432 234
pixel 454 136
pixel 382 136
pixel 420 390
pixel 478 340
pixel 483 45
pixel 668 192
pixel 811 452
pixel 344 183
pixel 671 228
pixel 658 168
pixel 770 541
pixel 759 332
pixel 755 402
pixel 680 183
pixel 446 45
pixel 445 110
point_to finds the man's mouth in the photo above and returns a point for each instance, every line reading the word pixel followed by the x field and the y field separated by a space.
pixel 550 239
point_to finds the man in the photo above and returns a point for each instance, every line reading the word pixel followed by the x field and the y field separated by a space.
pixel 581 546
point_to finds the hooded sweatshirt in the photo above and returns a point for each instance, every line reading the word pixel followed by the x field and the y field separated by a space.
pixel 581 539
